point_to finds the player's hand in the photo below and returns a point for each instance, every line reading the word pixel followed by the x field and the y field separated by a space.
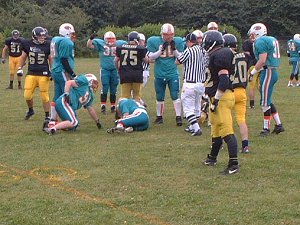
pixel 204 107
pixel 250 78
pixel 164 46
pixel 98 124
pixel 20 72
pixel 3 60
pixel 213 105
pixel 93 35
pixel 73 75
pixel 172 44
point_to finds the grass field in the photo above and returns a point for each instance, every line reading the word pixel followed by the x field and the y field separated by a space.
pixel 154 177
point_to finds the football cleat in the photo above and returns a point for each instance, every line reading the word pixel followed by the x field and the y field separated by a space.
pixel 245 150
pixel 264 132
pixel 189 130
pixel 113 109
pixel 50 131
pixel 278 129
pixel 178 121
pixel 233 169
pixel 10 87
pixel 197 133
pixel 119 130
pixel 210 161
pixel 46 123
pixel 159 120
pixel 29 114
pixel 103 109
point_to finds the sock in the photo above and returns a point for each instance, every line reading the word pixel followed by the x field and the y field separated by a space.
pixel 251 103
pixel 267 119
pixel 53 111
pixel 47 114
pixel 245 143
pixel 19 83
pixel 159 108
pixel 231 145
pixel 177 107
pixel 275 114
pixel 215 146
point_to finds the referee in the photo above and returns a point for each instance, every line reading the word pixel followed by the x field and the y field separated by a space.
pixel 195 62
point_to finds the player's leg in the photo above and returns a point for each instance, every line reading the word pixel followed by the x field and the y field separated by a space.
pixel 19 77
pixel 59 80
pixel 105 82
pixel 11 72
pixel 174 88
pixel 44 84
pixel 252 86
pixel 115 80
pixel 160 88
pixel 30 84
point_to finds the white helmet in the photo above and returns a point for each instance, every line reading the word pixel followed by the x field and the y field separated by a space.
pixel 297 37
pixel 198 33
pixel 110 37
pixel 212 26
pixel 92 80
pixel 257 30
pixel 66 30
pixel 167 28
pixel 142 37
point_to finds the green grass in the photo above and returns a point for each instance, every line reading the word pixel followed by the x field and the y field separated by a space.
pixel 152 177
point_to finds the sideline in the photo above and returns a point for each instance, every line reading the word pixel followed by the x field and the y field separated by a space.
pixel 81 194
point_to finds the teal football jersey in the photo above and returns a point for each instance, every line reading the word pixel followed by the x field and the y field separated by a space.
pixel 164 66
pixel 128 106
pixel 62 47
pixel 107 53
pixel 269 45
pixel 81 95
pixel 293 48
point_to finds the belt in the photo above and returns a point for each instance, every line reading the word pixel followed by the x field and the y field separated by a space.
pixel 270 67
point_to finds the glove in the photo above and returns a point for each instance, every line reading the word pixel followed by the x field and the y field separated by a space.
pixel 20 72
pixel 93 35
pixel 250 77
pixel 73 75
pixel 204 107
pixel 3 60
pixel 213 105
pixel 67 98
pixel 98 124
pixel 164 46
pixel 172 44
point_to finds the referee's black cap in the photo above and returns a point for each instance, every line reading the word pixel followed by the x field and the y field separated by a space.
pixel 191 37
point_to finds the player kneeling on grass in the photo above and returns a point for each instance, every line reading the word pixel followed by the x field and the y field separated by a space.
pixel 78 93
pixel 131 116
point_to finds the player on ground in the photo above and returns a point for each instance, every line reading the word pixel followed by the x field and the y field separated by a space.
pixel 164 50
pixel 62 53
pixel 239 85
pixel 108 72
pixel 266 50
pixel 13 47
pixel 219 90
pixel 77 93
pixel 293 51
pixel 37 51
pixel 131 116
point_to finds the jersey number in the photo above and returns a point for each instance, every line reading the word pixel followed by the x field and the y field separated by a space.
pixel 14 48
pixel 240 72
pixel 276 53
pixel 131 55
pixel 36 59
pixel 109 51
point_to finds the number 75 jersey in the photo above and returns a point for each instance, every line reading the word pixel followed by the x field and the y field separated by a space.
pixel 269 45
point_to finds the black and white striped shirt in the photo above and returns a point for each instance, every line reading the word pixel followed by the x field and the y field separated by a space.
pixel 195 61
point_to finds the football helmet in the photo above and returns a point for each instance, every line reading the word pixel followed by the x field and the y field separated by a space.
pixel 212 26
pixel 133 36
pixel 297 37
pixel 39 35
pixel 230 41
pixel 93 82
pixel 257 30
pixel 67 30
pixel 142 37
pixel 110 38
pixel 212 39
pixel 167 32
pixel 15 34
pixel 198 33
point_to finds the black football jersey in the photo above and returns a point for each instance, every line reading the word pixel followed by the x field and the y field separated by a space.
pixel 220 59
pixel 248 47
pixel 240 76
pixel 131 63
pixel 14 46
pixel 37 57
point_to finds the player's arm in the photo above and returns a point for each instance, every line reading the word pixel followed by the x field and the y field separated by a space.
pixel 22 60
pixel 68 85
pixel 4 52
pixel 67 67
pixel 91 110
pixel 260 63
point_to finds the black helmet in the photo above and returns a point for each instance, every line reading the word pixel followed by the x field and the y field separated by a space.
pixel 39 35
pixel 133 36
pixel 212 39
pixel 230 41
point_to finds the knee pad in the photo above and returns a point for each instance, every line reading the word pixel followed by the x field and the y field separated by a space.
pixel 265 108
pixel 28 94
pixel 44 96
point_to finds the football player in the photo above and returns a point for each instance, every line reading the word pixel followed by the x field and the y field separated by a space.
pixel 62 52
pixel 13 47
pixel 293 51
pixel 78 92
pixel 254 83
pixel 164 50
pixel 37 50
pixel 129 62
pixel 239 84
pixel 212 26
pixel 219 90
pixel 130 116
pixel 108 73
pixel 267 53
